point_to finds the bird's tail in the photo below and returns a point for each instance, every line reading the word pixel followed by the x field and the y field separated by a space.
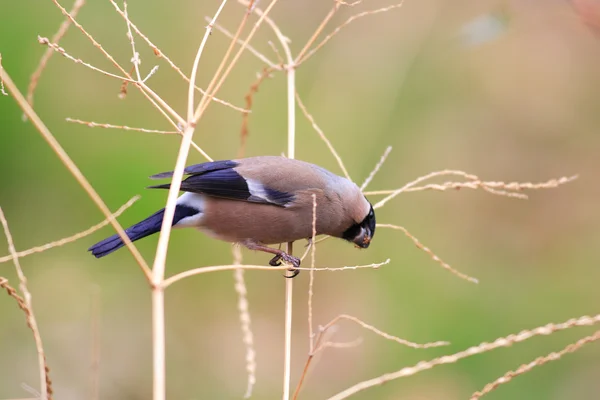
pixel 147 227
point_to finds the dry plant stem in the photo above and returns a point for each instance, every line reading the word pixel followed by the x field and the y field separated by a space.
pixel 158 269
pixel 251 49
pixel 420 179
pixel 135 59
pixel 35 77
pixel 316 34
pixel 433 256
pixel 477 184
pixel 216 268
pixel 245 322
pixel 386 153
pixel 266 73
pixel 66 160
pixel 339 28
pixel 481 348
pixel 378 332
pixel 319 345
pixel 156 100
pixel 45 382
pixel 160 54
pixel 287 362
pixel 93 124
pixel 70 239
pixel 573 347
pixel 210 93
pixel 322 136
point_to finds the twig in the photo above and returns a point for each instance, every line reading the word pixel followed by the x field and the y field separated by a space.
pixel 317 32
pixel 92 124
pixel 158 269
pixel 161 54
pixel 478 184
pixel 70 239
pixel 573 347
pixel 339 28
pixel 155 99
pixel 433 256
pixel 54 47
pixel 62 30
pixel 245 322
pixel 45 382
pixel 73 169
pixel 376 169
pixel 216 268
pixel 251 49
pixel 320 345
pixel 384 335
pixel 323 137
pixel 266 73
pixel 135 60
pixel 481 348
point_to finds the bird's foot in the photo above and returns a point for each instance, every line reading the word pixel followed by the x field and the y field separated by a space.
pixel 294 261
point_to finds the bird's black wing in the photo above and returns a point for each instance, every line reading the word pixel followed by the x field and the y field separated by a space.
pixel 220 179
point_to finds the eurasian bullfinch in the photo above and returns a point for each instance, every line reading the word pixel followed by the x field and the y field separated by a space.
pixel 259 201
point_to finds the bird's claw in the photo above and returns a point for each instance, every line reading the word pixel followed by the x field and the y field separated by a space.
pixel 294 261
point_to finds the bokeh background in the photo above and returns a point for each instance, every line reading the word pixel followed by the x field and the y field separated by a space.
pixel 507 90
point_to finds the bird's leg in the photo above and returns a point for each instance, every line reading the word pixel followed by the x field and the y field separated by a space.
pixel 279 255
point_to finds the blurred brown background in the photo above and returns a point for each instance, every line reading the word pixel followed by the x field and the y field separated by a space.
pixel 505 90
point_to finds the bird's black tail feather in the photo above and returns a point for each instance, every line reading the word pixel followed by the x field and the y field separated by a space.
pixel 147 227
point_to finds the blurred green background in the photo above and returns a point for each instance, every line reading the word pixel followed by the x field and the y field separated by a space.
pixel 514 102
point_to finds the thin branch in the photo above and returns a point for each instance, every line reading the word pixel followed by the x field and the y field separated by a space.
pixel 316 34
pixel 62 30
pixel 155 99
pixel 215 87
pixel 320 345
pixel 323 137
pixel 478 184
pixel 481 348
pixel 135 59
pixel 158 269
pixel 216 268
pixel 573 347
pixel 266 73
pixel 250 48
pixel 378 332
pixel 161 54
pixel 55 47
pixel 433 256
pixel 45 382
pixel 287 352
pixel 339 28
pixel 73 169
pixel 376 169
pixel 73 238
pixel 245 322
pixel 92 124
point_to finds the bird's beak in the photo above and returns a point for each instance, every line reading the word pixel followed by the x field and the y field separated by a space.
pixel 363 240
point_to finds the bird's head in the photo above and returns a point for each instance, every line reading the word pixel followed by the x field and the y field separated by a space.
pixel 361 233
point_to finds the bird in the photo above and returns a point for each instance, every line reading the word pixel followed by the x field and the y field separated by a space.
pixel 261 201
